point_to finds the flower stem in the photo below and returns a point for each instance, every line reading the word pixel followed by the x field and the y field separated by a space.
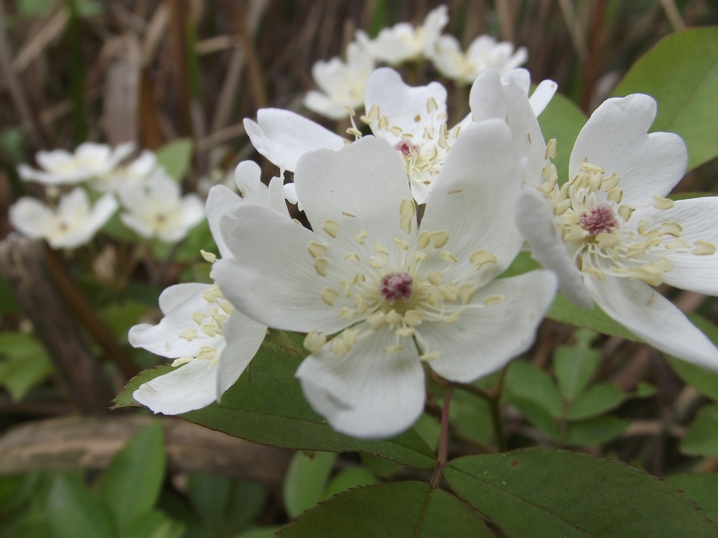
pixel 444 439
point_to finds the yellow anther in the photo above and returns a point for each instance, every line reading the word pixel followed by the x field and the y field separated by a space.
pixel 574 233
pixel 346 288
pixel 396 131
pixel 607 240
pixel 417 118
pixel 393 318
pixel 480 258
pixel 350 336
pixel 340 347
pixel 377 262
pixel 347 313
pixel 358 278
pixel 405 331
pixel 188 334
pixel 439 238
pixel 331 227
pixel 351 256
pixel 407 207
pixel 361 236
pixel 354 132
pixel 405 223
pixel 314 341
pixel 589 167
pixel 403 245
pixel 672 228
pixel 435 278
pixel 376 320
pixel 703 248
pixel 431 105
pixel 493 299
pixel 662 203
pixel 447 294
pixel 380 249
pixel 181 361
pixel 453 317
pixel 610 182
pixel 448 257
pixel 426 357
pixel 594 182
pixel 635 249
pixel 316 249
pixel 208 256
pixel 198 317
pixel 383 123
pixel 562 207
pixel 208 295
pixel 320 266
pixel 551 149
pixel 642 227
pixel 625 211
pixel 361 303
pixel 393 349
pixel 413 318
pixel 420 256
pixel 466 291
pixel 329 295
pixel 615 195
pixel 207 353
pixel 208 329
pixel 423 239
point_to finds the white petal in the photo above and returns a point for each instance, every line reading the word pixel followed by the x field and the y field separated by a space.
pixel 137 225
pixel 283 136
pixel 276 195
pixel 220 201
pixel 649 315
pixel 473 196
pixel 536 222
pixel 367 393
pixel 174 296
pixel 360 187
pixel 31 217
pixel 184 389
pixel 276 286
pixel 248 178
pixel 323 105
pixel 244 336
pixel 102 211
pixel 615 138
pixel 485 339
pixel 542 96
pixel 74 203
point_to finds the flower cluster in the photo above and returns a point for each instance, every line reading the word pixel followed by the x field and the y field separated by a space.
pixel 151 200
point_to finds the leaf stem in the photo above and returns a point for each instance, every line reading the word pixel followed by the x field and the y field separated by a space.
pixel 444 439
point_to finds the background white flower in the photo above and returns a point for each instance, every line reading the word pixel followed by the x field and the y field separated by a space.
pixel 89 160
pixel 368 273
pixel 610 233
pixel 341 84
pixel 155 208
pixel 122 177
pixel 71 224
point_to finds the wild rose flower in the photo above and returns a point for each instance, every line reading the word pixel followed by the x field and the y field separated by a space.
pixel 60 167
pixel 341 84
pixel 610 234
pixel 71 224
pixel 394 293
pixel 155 208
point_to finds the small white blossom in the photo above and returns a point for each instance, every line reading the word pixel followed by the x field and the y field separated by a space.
pixel 122 177
pixel 610 234
pixel 341 84
pixel 155 208
pixel 483 53
pixel 71 224
pixel 89 161
pixel 392 292
pixel 403 42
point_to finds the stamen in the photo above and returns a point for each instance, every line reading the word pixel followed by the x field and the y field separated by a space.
pixel 331 227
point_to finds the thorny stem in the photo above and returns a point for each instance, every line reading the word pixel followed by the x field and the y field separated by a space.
pixel 444 439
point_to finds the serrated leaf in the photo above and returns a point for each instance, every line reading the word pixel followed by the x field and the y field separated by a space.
pixel 175 157
pixel 681 73
pixel 575 365
pixel 353 477
pixel 125 399
pixel 73 511
pixel 595 319
pixel 701 438
pixel 305 480
pixel 562 120
pixel 595 401
pixel 131 485
pixel 399 510
pixel 702 488
pixel 595 431
pixel 549 493
pixel 266 405
pixel 527 382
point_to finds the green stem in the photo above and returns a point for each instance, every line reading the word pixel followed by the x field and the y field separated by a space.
pixel 444 439
pixel 77 74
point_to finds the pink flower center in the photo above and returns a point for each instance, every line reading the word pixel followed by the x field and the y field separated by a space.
pixel 406 148
pixel 599 220
pixel 396 286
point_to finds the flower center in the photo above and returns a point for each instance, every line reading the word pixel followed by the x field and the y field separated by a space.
pixel 406 148
pixel 397 286
pixel 599 220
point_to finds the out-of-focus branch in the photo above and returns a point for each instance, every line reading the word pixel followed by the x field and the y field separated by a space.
pixel 254 69
pixel 23 264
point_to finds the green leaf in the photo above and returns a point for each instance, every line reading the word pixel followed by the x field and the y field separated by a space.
pixel 305 481
pixel 549 493
pixel 645 390
pixel 210 495
pixel 704 381
pixel 260 532
pixel 595 401
pixel 175 157
pixel 429 429
pixel 132 482
pixel 125 399
pixel 347 479
pixel 153 524
pixel 681 73
pixel 266 405
pixel 120 317
pixel 471 416
pixel 575 365
pixel 380 466
pixel 528 382
pixel 538 416
pixel 595 319
pixel 595 431
pixel 701 438
pixel 401 509
pixel 26 364
pixel 73 511
pixel 562 120
pixel 702 488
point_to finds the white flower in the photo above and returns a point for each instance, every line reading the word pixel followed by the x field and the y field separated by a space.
pixel 341 84
pixel 403 42
pixel 211 343
pixel 483 53
pixel 201 330
pixel 155 208
pixel 71 224
pixel 610 233
pixel 413 121
pixel 383 285
pixel 62 167
pixel 122 177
